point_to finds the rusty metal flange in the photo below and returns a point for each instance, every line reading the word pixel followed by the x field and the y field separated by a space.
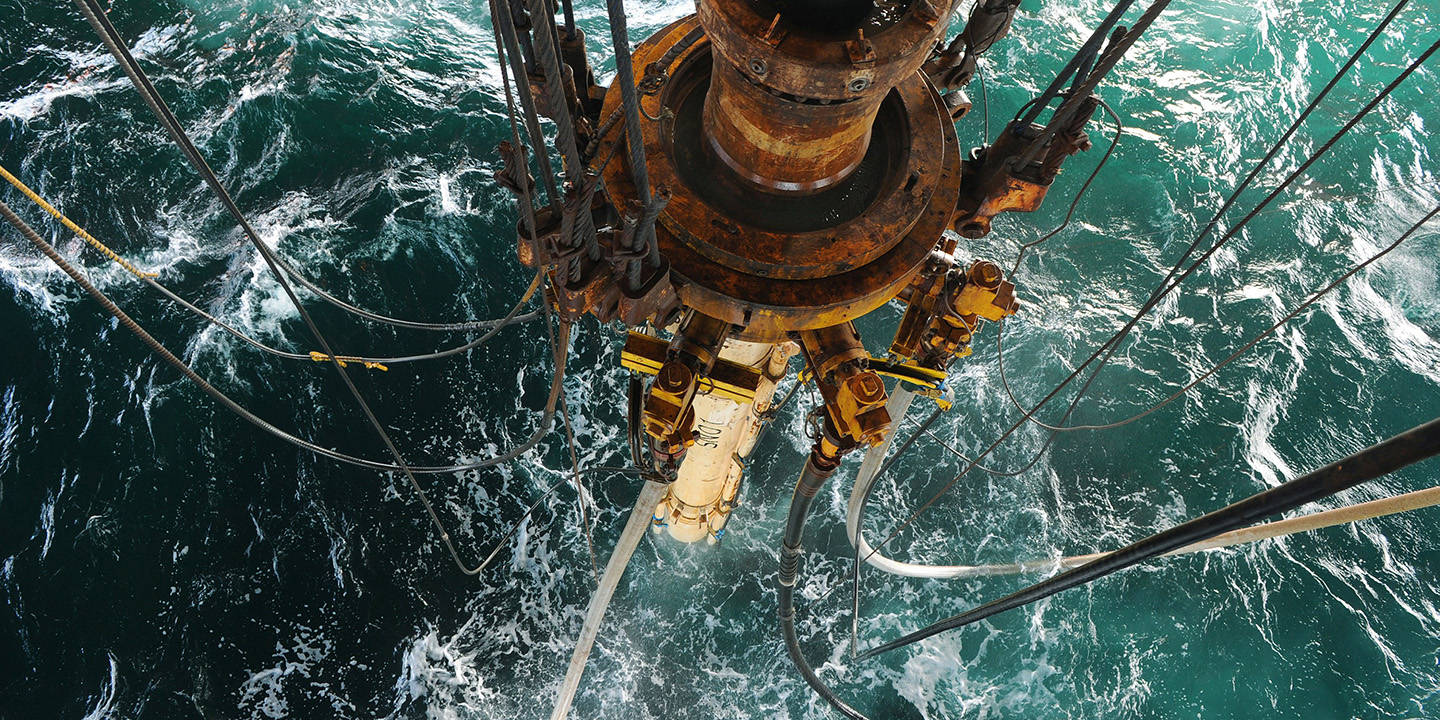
pixel 849 252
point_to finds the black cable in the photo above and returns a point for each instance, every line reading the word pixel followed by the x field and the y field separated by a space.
pixel 510 318
pixel 220 397
pixel 340 304
pixel 633 416
pixel 262 424
pixel 1314 156
pixel 814 474
pixel 111 38
pixel 1407 448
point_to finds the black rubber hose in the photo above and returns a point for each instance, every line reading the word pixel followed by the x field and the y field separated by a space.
pixel 818 469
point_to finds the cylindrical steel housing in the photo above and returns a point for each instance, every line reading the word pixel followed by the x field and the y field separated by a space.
pixel 789 108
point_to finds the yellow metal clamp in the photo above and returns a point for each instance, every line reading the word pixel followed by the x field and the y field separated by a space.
pixel 928 381
pixel 345 361
pixel 732 381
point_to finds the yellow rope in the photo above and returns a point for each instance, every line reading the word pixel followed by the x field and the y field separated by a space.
pixel 345 360
pixel 87 237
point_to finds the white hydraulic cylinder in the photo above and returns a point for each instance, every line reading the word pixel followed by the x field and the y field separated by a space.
pixel 698 504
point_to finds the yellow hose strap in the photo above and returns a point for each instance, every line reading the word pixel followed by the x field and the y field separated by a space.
pixel 345 361
pixel 534 285
pixel 87 237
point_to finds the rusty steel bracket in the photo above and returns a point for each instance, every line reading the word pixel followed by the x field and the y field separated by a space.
pixel 945 305
pixel 990 185
pixel 691 356
pixel 999 179
pixel 854 395
pixel 952 67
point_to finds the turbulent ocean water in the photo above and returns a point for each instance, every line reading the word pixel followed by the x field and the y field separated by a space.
pixel 161 559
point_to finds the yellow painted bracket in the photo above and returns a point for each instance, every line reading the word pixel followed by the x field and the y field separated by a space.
pixel 730 380
pixel 930 382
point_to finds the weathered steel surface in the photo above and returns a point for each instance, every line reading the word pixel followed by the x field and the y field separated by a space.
pixel 791 107
pixel 743 255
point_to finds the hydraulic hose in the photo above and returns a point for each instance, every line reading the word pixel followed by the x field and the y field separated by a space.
pixel 821 464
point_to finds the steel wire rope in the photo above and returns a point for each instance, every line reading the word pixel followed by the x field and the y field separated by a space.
pixel 1243 348
pixel 984 99
pixel 110 37
pixel 1089 48
pixel 1109 347
pixel 1116 50
pixel 643 247
pixel 507 49
pixel 1168 285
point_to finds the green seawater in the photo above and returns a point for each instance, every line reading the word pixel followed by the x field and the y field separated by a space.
pixel 161 559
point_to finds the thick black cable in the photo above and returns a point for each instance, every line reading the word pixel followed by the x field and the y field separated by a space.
pixel 1407 448
pixel 1108 348
pixel 812 478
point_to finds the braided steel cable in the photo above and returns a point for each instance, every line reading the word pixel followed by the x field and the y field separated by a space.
pixel 507 48
pixel 643 246
pixel 1091 46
